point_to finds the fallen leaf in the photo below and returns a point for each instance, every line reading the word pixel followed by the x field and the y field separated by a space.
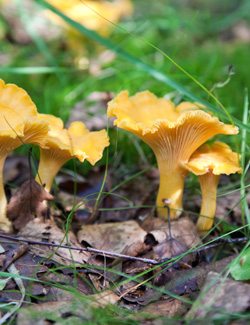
pixel 14 254
pixel 115 237
pixel 15 304
pixel 166 308
pixel 174 239
pixel 104 298
pixel 48 231
pixel 186 281
pixel 28 203
pixel 220 296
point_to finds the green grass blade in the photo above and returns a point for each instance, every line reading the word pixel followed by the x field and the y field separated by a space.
pixel 35 70
pixel 244 205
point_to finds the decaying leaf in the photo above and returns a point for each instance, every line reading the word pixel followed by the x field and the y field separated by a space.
pixel 175 239
pixel 47 231
pixel 167 308
pixel 220 296
pixel 118 237
pixel 104 298
pixel 186 281
pixel 17 304
pixel 28 203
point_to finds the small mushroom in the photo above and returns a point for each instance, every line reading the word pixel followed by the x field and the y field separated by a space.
pixel 173 133
pixel 64 144
pixel 209 162
pixel 18 125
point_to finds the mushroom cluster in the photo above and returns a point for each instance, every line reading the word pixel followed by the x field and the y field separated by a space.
pixel 20 123
pixel 174 133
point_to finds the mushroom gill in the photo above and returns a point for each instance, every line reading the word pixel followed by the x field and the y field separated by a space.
pixel 208 163
pixel 172 132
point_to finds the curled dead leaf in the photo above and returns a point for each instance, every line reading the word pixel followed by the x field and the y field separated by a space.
pixel 117 237
pixel 28 203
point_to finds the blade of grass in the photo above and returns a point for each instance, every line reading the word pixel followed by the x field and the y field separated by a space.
pixel 158 75
pixel 35 70
pixel 244 205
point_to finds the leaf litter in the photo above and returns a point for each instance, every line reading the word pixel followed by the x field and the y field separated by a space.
pixel 59 274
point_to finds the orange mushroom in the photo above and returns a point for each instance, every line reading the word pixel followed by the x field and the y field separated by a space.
pixel 97 15
pixel 64 144
pixel 209 162
pixel 173 133
pixel 18 125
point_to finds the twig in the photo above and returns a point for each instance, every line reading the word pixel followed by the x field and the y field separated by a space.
pixel 123 256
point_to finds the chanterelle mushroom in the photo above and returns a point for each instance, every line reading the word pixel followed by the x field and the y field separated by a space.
pixel 64 144
pixel 209 162
pixel 18 125
pixel 95 15
pixel 173 133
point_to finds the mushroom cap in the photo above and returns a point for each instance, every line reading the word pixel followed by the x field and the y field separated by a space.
pixel 11 125
pixel 91 13
pixel 145 113
pixel 76 141
pixel 57 137
pixel 16 98
pixel 85 144
pixel 173 132
pixel 217 158
pixel 15 107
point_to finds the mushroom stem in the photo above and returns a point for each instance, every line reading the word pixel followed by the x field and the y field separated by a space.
pixel 4 222
pixel 171 189
pixel 49 166
pixel 209 184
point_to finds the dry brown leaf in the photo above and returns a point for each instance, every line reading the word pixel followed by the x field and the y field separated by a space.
pixel 104 298
pixel 47 231
pixel 220 296
pixel 167 308
pixel 116 237
pixel 180 238
pixel 28 203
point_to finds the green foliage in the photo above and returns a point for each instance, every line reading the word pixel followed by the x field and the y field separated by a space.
pixel 240 269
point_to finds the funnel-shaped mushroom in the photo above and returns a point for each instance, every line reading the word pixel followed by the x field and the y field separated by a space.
pixel 209 162
pixel 18 125
pixel 173 133
pixel 64 144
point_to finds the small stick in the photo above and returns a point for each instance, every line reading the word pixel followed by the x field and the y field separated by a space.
pixel 123 256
